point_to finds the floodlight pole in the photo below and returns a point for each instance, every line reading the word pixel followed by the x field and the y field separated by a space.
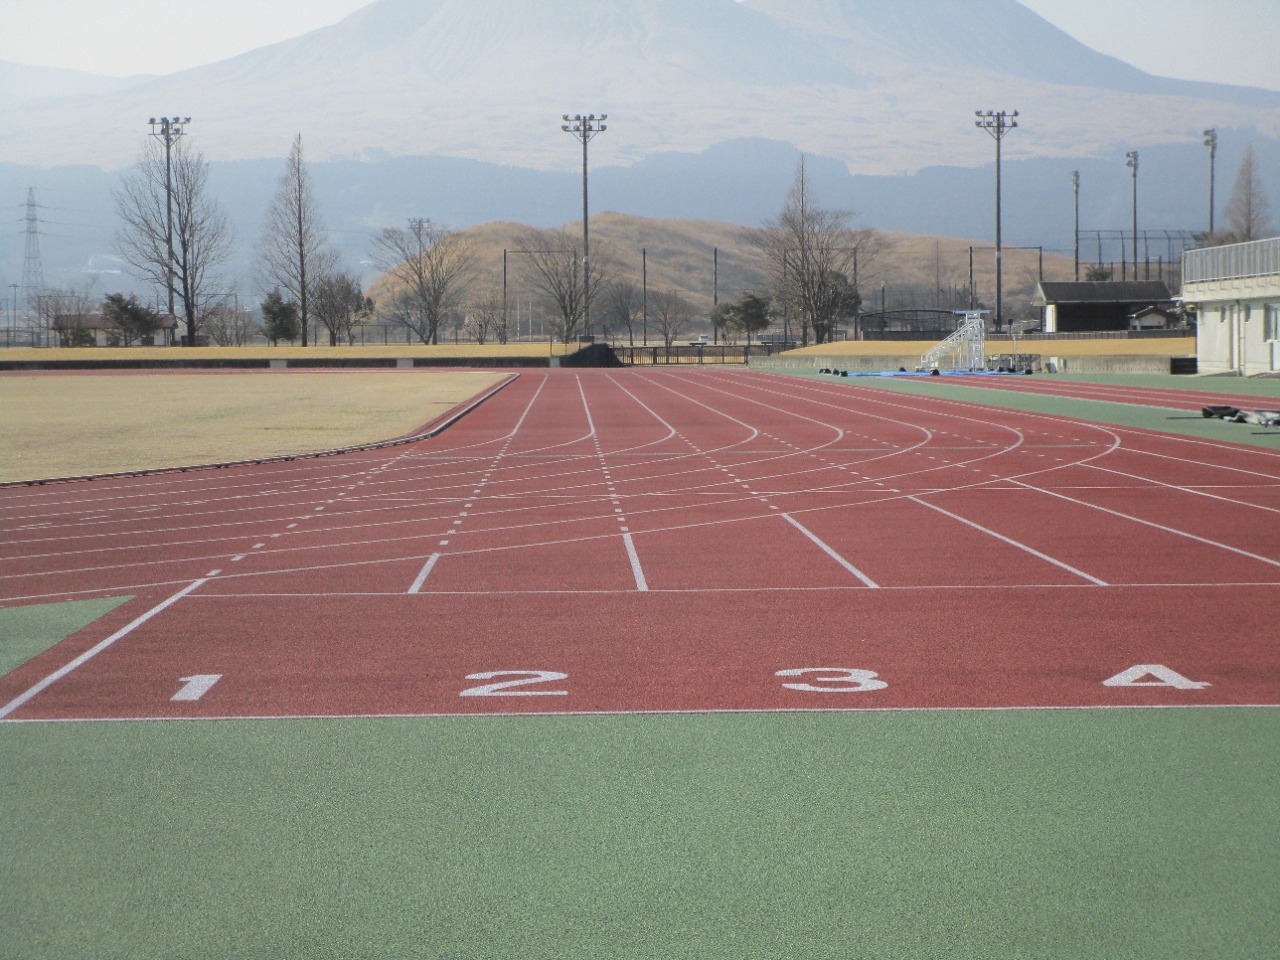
pixel 584 128
pixel 997 123
pixel 1211 141
pixel 170 130
pixel 1131 161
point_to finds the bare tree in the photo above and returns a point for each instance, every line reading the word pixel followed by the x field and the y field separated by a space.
pixel 1248 210
pixel 815 257
pixel 487 318
pixel 432 267
pixel 202 235
pixel 671 316
pixel 398 309
pixel 294 253
pixel 622 306
pixel 227 324
pixel 557 278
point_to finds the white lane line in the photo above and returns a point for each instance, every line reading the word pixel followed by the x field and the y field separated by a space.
pixel 1194 491
pixel 424 573
pixel 641 584
pixel 830 552
pixel 1013 543
pixel 1152 524
pixel 88 655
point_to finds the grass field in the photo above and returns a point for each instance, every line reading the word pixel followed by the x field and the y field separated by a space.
pixel 534 349
pixel 70 425
pixel 890 836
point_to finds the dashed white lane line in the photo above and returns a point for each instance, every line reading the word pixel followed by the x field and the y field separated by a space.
pixel 424 573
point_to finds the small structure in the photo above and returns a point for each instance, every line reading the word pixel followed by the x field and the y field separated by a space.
pixel 95 330
pixel 1099 305
pixel 966 349
pixel 1234 292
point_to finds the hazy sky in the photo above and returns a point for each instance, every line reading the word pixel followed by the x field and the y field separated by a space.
pixel 1230 41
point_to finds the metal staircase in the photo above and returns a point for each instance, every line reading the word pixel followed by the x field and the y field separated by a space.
pixel 966 349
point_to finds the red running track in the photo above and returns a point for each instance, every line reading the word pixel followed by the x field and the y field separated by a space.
pixel 688 540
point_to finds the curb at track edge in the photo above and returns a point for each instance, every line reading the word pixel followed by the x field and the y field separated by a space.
pixel 434 429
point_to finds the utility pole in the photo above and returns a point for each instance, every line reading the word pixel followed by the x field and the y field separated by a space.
pixel 1131 161
pixel 997 123
pixel 584 128
pixel 715 292
pixel 169 130
pixel 1075 184
pixel 1211 141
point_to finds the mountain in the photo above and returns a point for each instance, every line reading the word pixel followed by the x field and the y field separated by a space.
pixel 22 87
pixel 450 109
pixel 888 86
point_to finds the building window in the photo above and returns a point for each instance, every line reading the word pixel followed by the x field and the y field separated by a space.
pixel 1271 321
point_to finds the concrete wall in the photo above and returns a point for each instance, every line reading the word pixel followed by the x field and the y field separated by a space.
pixel 872 364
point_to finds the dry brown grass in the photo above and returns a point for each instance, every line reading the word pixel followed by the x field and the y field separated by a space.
pixel 681 258
pixel 534 350
pixel 70 425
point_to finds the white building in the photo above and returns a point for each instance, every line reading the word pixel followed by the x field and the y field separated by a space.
pixel 1235 293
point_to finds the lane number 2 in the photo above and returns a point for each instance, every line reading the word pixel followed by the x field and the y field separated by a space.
pixel 506 688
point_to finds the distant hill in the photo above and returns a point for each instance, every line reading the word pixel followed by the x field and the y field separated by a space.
pixel 916 271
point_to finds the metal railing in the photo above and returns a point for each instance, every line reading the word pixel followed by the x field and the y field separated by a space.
pixel 1236 261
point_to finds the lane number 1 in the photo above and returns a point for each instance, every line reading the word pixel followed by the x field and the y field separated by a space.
pixel 196 687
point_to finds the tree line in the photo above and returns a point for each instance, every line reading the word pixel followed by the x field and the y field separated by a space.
pixel 815 260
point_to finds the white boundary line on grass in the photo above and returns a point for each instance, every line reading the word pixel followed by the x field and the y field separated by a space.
pixel 710 711
pixel 89 654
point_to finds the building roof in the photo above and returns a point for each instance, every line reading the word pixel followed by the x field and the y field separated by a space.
pixel 96 321
pixel 1102 291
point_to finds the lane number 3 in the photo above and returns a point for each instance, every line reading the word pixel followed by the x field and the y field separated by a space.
pixel 834 680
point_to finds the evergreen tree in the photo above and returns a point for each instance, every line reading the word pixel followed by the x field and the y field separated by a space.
pixel 280 320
